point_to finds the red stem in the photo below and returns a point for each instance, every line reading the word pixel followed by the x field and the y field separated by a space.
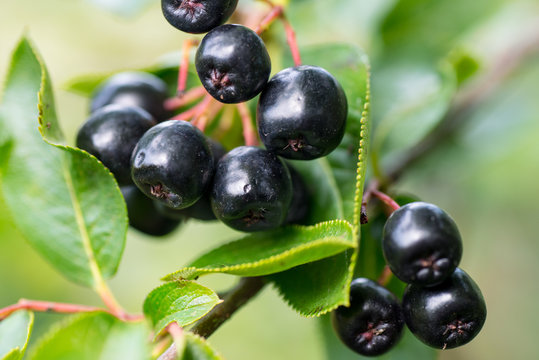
pixel 188 114
pixel 385 276
pixel 274 13
pixel 62 308
pixel 187 97
pixel 184 65
pixel 249 133
pixel 386 199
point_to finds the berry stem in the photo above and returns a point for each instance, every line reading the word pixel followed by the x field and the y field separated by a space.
pixel 184 99
pixel 385 276
pixel 201 120
pixel 386 199
pixel 197 109
pixel 249 133
pixel 184 65
pixel 246 289
pixel 61 308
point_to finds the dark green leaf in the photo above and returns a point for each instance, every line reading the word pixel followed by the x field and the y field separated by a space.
pixel 15 332
pixel 63 200
pixel 197 348
pixel 183 302
pixel 318 287
pixel 94 336
pixel 274 251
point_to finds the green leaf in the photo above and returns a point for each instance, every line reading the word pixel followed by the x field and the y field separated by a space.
pixel 197 348
pixel 408 348
pixel 126 8
pixel 273 251
pixel 94 336
pixel 63 200
pixel 183 302
pixel 412 97
pixel 321 286
pixel 15 332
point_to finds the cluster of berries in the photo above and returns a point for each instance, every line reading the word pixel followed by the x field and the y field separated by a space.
pixel 179 172
pixel 442 306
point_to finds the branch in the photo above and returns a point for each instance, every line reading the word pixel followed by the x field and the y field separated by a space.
pixel 247 288
pixel 465 102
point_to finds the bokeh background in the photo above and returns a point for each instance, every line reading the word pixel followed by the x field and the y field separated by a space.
pixel 486 176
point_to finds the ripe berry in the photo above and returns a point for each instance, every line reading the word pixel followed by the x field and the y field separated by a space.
pixel 302 113
pixel 421 244
pixel 136 89
pixel 447 315
pixel 232 63
pixel 252 189
pixel 197 16
pixel 111 133
pixel 173 163
pixel 373 322
pixel 143 216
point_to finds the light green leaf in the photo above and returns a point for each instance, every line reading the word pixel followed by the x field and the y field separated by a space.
pixel 94 336
pixel 273 251
pixel 63 200
pixel 319 287
pixel 183 302
pixel 15 332
pixel 197 348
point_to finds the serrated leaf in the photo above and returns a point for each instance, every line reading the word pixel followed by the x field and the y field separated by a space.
pixel 408 348
pixel 183 302
pixel 197 348
pixel 63 200
pixel 319 287
pixel 15 332
pixel 273 251
pixel 94 336
pixel 126 8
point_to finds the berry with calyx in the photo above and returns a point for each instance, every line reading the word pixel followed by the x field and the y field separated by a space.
pixel 111 133
pixel 373 322
pixel 201 210
pixel 421 244
pixel 447 315
pixel 197 16
pixel 302 113
pixel 252 189
pixel 140 89
pixel 232 63
pixel 143 216
pixel 173 163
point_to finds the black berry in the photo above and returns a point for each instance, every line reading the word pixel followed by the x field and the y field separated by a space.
pixel 252 189
pixel 373 322
pixel 111 133
pixel 136 89
pixel 143 216
pixel 173 163
pixel 302 113
pixel 197 16
pixel 421 244
pixel 447 315
pixel 232 63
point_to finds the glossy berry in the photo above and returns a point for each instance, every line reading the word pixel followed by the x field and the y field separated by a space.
pixel 252 189
pixel 447 315
pixel 298 211
pixel 373 322
pixel 197 16
pixel 232 63
pixel 201 210
pixel 302 113
pixel 143 216
pixel 421 244
pixel 136 89
pixel 111 133
pixel 173 163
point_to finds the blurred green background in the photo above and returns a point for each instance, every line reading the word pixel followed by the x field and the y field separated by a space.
pixel 485 177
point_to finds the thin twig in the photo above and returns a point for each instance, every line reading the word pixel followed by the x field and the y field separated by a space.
pixel 249 133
